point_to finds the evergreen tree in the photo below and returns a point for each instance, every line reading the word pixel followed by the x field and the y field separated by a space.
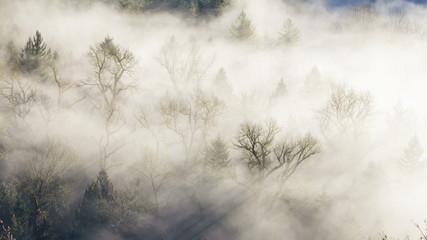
pixel 411 156
pixel 96 207
pixel 12 57
pixel 242 28
pixel 399 118
pixel 290 33
pixel 104 209
pixel 313 82
pixel 35 57
pixel 221 85
pixel 217 155
pixel 281 89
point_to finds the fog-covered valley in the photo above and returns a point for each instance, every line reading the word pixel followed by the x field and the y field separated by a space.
pixel 274 119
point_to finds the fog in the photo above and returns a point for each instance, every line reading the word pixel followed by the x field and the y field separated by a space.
pixel 191 82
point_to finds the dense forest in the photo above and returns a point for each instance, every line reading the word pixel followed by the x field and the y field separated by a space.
pixel 212 119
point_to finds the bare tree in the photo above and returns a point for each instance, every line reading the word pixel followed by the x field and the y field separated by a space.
pixel 145 115
pixel 62 84
pixel 346 112
pixel 265 156
pixel 421 229
pixel 41 179
pixel 257 143
pixel 291 153
pixel 398 22
pixel 5 232
pixel 18 97
pixel 156 173
pixel 108 145
pixel 422 232
pixel 112 74
pixel 188 117
pixel 112 77
pixel 184 63
pixel 363 13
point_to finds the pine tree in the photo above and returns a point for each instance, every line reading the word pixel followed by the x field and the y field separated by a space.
pixel 281 89
pixel 105 209
pixel 96 207
pixel 12 57
pixel 312 83
pixel 221 85
pixel 242 28
pixel 411 156
pixel 35 57
pixel 217 154
pixel 290 33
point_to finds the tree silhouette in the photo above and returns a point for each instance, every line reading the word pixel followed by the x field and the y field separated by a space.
pixel 242 28
pixel 217 155
pixel 35 56
pixel 290 33
pixel 411 158
pixel 265 156
pixel 97 205
pixel 111 65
